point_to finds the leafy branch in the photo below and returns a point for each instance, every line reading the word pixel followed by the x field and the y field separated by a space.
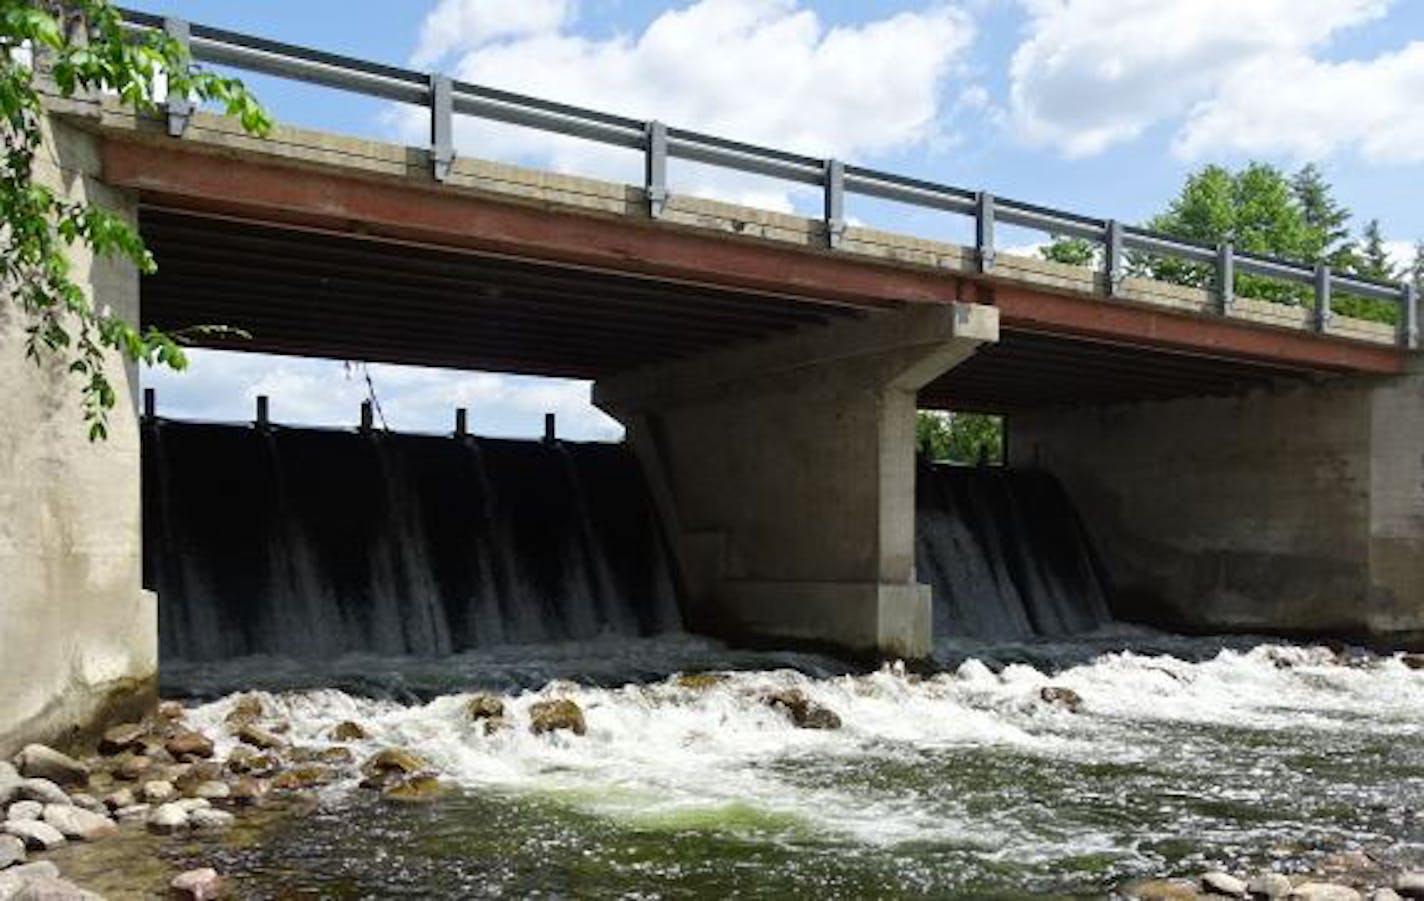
pixel 68 48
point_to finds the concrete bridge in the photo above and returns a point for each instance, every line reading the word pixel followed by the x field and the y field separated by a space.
pixel 1241 464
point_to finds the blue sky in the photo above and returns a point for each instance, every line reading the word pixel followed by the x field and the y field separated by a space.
pixel 1100 106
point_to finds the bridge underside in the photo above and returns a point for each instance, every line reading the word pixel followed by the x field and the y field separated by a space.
pixel 314 292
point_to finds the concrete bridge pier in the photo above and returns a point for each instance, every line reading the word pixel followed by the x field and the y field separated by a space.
pixel 784 471
pixel 1298 509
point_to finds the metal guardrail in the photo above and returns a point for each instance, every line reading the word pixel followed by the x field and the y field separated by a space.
pixel 445 97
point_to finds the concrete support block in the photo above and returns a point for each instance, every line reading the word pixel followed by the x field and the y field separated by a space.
pixel 784 470
pixel 1297 510
pixel 78 635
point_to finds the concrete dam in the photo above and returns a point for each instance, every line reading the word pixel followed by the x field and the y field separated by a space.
pixel 311 544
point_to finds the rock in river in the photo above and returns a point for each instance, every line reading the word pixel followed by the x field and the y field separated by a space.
pixel 187 745
pixel 198 885
pixel 76 822
pixel 36 834
pixel 804 712
pixel 41 762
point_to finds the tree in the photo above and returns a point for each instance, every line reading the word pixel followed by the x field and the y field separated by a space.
pixel 1328 221
pixel 1072 251
pixel 1373 259
pixel 970 438
pixel 1416 269
pixel 67 48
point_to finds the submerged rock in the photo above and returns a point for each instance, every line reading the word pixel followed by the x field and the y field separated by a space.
pixel 419 787
pixel 202 884
pixel 804 712
pixel 1057 695
pixel 43 762
pixel 485 707
pixel 76 822
pixel 348 731
pixel 36 834
pixel 1219 883
pixel 188 744
pixel 551 716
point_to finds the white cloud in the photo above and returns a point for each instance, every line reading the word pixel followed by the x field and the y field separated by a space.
pixel 1400 254
pixel 224 385
pixel 1093 73
pixel 457 25
pixel 763 71
pixel 1308 109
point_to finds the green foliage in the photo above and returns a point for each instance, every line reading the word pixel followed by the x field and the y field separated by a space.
pixel 83 49
pixel 1373 260
pixel 1071 251
pixel 959 437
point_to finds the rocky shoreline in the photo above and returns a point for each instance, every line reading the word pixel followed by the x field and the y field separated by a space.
pixel 169 777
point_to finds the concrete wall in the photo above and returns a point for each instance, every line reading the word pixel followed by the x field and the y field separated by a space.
pixel 786 471
pixel 78 635
pixel 1295 510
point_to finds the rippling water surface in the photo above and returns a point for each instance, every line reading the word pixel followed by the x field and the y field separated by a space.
pixel 1186 754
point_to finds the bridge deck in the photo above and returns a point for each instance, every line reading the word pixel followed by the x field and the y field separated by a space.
pixel 332 246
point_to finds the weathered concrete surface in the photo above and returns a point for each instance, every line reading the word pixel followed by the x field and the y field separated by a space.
pixel 785 471
pixel 1288 511
pixel 78 635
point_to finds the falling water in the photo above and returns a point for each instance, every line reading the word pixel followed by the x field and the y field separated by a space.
pixel 311 544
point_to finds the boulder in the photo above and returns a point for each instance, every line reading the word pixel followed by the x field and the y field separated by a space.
pixel 257 737
pixel 246 709
pixel 1160 890
pixel 485 707
pixel 306 775
pixel 1413 661
pixel 41 790
pixel 1323 891
pixel 167 818
pixel 804 712
pixel 1219 883
pixel 555 715
pixel 1269 886
pixel 52 888
pixel 207 818
pixel 9 782
pixel 76 822
pixel 12 850
pixel 1410 885
pixel 198 885
pixel 89 803
pixel 158 791
pixel 42 762
pixel 36 834
pixel 209 791
pixel 247 790
pixel 123 737
pixel 1385 894
pixel 348 731
pixel 25 810
pixel 187 745
pixel 337 756
pixel 698 681
pixel 123 797
pixel 1059 696
pixel 188 805
pixel 196 775
pixel 390 765
pixel 169 711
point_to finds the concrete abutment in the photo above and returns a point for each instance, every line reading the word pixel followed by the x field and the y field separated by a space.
pixel 78 634
pixel 784 471
pixel 1297 510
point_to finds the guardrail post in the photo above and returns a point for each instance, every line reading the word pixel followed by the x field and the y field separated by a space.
pixel 1322 297
pixel 262 421
pixel 442 126
pixel 178 106
pixel 834 181
pixel 551 433
pixel 655 154
pixel 461 423
pixel 1411 316
pixel 368 417
pixel 1226 276
pixel 1112 257
pixel 150 404
pixel 984 230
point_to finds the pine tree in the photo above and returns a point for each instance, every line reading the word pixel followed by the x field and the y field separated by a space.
pixel 1374 260
pixel 1328 221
